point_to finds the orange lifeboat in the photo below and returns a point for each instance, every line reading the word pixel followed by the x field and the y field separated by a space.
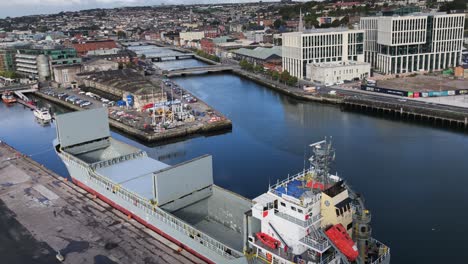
pixel 343 241
pixel 268 240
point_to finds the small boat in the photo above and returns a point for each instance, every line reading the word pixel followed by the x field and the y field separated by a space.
pixel 8 98
pixel 338 235
pixel 268 240
pixel 42 114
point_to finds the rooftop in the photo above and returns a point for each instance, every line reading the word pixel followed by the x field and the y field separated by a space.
pixel 323 30
pixel 260 52
pixel 338 64
pixel 126 80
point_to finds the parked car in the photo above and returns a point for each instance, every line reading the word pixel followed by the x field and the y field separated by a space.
pixel 85 103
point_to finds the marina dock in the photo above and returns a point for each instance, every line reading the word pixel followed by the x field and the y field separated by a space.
pixel 70 220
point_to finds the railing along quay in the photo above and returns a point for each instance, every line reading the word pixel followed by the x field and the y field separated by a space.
pixel 436 114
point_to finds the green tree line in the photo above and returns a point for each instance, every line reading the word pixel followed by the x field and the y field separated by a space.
pixel 283 77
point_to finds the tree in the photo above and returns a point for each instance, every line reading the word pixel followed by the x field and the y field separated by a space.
pixel 9 74
pixel 121 35
pixel 258 68
pixel 275 75
pixel 143 56
pixel 284 76
pixel 292 80
pixel 277 24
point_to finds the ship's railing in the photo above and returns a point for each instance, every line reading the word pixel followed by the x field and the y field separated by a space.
pixel 290 178
pixel 106 163
pixel 320 243
pixel 328 259
pixel 302 223
pixel 385 255
pixel 149 208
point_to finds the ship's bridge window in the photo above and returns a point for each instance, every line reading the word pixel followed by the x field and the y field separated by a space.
pixel 337 212
pixel 293 208
pixel 299 210
pixel 283 204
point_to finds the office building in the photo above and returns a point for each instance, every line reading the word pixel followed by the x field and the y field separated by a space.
pixel 320 46
pixel 415 42
pixel 36 62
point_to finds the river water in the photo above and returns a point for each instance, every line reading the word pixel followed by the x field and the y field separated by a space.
pixel 413 177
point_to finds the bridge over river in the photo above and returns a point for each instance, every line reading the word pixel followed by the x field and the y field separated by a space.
pixel 201 69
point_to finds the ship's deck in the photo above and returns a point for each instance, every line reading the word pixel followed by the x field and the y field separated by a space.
pixel 135 175
pixel 220 216
pixel 292 188
pixel 114 150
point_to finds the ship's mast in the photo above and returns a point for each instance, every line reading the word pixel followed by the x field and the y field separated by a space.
pixel 323 156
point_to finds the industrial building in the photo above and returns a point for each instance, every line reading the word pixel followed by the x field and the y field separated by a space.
pixel 336 72
pixel 259 55
pixel 123 83
pixel 415 42
pixel 320 46
pixel 90 46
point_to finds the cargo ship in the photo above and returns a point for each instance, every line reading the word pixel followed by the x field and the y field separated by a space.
pixel 312 217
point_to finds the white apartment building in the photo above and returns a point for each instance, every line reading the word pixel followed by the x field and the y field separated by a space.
pixel 415 42
pixel 336 72
pixel 190 35
pixel 319 46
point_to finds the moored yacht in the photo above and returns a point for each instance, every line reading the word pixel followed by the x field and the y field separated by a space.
pixel 42 114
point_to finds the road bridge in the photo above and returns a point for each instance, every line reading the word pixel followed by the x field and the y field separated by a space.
pixel 198 70
pixel 23 88
pixel 170 56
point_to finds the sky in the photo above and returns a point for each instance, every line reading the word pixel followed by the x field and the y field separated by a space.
pixel 15 8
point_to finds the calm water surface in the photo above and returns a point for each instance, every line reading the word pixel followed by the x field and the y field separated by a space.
pixel 413 177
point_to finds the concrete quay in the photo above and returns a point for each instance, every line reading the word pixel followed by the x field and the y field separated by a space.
pixel 173 134
pixel 68 219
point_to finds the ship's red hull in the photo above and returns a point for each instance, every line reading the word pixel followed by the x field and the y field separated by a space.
pixel 8 101
pixel 137 218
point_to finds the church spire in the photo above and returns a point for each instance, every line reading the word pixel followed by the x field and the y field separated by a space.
pixel 301 24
